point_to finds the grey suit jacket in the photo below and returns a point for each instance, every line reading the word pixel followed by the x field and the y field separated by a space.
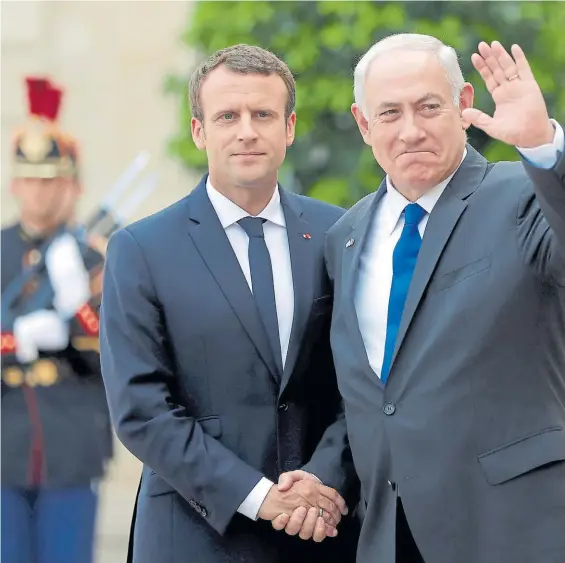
pixel 470 427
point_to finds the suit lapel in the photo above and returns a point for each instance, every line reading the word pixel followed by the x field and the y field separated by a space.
pixel 214 246
pixel 303 262
pixel 352 248
pixel 442 221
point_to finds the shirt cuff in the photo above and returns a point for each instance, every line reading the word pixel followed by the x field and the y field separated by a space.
pixel 251 505
pixel 545 156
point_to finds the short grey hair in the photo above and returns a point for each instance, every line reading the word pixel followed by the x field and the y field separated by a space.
pixel 409 42
pixel 243 59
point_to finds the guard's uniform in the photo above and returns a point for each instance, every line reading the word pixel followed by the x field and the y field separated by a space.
pixel 56 433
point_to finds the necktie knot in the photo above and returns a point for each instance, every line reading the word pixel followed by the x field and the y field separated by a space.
pixel 413 214
pixel 253 226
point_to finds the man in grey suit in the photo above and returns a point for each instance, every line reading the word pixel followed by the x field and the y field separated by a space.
pixel 449 313
pixel 215 342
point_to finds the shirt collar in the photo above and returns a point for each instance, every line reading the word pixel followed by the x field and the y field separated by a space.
pixel 396 202
pixel 229 213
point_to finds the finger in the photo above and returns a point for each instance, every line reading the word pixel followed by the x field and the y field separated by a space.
pixel 321 531
pixel 280 522
pixel 524 69
pixel 309 524
pixel 504 60
pixel 331 532
pixel 334 496
pixel 296 521
pixel 485 51
pixel 484 71
pixel 286 480
pixel 477 118
pixel 491 61
pixel 331 513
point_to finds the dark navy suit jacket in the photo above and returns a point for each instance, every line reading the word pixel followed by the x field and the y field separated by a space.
pixel 194 391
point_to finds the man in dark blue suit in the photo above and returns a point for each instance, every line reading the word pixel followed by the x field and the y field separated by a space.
pixel 215 343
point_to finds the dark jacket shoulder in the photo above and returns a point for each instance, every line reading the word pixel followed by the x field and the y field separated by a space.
pixel 159 226
pixel 347 218
pixel 321 210
pixel 9 234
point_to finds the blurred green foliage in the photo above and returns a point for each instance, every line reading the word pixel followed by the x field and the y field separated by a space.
pixel 322 41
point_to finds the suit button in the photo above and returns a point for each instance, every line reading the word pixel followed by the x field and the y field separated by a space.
pixel 389 409
pixel 283 407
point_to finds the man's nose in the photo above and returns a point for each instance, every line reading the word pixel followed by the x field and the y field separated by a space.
pixel 410 131
pixel 246 131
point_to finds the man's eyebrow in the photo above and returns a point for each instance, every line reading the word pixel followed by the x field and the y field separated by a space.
pixel 265 108
pixel 425 98
pixel 387 105
pixel 429 96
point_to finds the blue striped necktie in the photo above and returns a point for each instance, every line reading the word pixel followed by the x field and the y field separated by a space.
pixel 403 263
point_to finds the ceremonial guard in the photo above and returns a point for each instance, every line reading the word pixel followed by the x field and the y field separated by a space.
pixel 56 434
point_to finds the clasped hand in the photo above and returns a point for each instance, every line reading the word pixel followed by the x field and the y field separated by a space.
pixel 294 505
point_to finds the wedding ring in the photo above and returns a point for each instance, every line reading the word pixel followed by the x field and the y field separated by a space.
pixel 513 77
pixel 321 512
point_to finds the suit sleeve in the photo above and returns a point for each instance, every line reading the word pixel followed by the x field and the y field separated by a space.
pixel 332 461
pixel 541 220
pixel 138 374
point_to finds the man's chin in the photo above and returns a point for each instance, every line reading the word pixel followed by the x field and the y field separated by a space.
pixel 251 180
pixel 419 182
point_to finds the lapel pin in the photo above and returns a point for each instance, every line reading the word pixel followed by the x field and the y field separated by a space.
pixel 307 236
pixel 350 243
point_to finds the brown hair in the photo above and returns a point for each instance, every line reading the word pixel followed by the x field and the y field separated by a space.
pixel 245 59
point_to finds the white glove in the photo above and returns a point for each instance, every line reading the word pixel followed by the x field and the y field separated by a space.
pixel 69 278
pixel 41 330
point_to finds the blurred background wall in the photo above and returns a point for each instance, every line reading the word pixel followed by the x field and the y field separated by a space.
pixel 111 59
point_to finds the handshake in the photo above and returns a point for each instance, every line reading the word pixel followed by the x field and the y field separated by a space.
pixel 301 504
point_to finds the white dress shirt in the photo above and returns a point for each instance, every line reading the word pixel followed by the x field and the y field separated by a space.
pixel 276 240
pixel 375 265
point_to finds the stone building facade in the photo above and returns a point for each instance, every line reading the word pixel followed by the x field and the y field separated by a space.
pixel 111 57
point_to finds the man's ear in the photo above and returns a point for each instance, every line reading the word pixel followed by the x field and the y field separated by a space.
pixel 465 102
pixel 197 129
pixel 290 129
pixel 362 123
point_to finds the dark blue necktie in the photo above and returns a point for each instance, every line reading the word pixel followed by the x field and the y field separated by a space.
pixel 262 281
pixel 403 263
